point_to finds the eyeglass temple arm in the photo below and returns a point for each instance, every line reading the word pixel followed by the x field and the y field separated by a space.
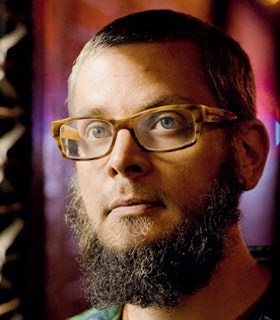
pixel 216 115
pixel 66 132
pixel 69 133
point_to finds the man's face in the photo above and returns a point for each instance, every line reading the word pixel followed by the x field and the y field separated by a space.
pixel 134 197
pixel 147 222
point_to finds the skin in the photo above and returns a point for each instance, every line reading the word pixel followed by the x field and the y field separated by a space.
pixel 118 83
pixel 162 187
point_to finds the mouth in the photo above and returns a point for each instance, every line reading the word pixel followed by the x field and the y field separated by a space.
pixel 135 207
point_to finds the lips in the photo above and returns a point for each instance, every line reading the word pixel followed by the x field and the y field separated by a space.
pixel 134 207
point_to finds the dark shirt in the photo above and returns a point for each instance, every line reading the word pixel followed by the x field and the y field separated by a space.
pixel 267 308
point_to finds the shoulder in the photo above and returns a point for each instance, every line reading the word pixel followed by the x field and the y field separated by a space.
pixel 113 313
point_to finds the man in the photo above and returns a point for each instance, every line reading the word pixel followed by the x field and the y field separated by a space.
pixel 164 131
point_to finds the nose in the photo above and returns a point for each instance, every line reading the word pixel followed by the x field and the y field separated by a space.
pixel 127 158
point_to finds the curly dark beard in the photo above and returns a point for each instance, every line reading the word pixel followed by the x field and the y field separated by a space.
pixel 163 273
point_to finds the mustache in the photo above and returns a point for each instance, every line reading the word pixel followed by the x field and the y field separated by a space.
pixel 127 192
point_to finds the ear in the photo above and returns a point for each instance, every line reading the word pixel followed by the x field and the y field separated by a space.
pixel 252 147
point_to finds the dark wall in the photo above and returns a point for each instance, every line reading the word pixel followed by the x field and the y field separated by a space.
pixel 21 273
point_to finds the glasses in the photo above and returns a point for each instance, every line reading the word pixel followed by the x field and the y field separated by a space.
pixel 160 129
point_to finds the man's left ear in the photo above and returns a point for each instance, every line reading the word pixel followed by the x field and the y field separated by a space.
pixel 252 147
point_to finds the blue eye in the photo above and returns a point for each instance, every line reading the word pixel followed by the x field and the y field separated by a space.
pixel 93 130
pixel 97 132
pixel 167 122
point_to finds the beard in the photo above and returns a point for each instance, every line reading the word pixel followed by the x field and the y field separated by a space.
pixel 168 270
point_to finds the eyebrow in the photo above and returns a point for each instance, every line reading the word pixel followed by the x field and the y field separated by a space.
pixel 90 111
pixel 165 99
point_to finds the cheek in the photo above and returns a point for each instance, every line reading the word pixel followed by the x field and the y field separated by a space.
pixel 187 174
pixel 83 177
pixel 89 177
pixel 184 185
pixel 90 187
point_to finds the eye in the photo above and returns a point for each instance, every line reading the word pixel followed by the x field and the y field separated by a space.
pixel 165 127
pixel 168 121
pixel 96 130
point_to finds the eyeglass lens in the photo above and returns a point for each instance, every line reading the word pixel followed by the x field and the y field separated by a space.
pixel 155 131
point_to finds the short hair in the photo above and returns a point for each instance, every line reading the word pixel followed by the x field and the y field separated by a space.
pixel 224 64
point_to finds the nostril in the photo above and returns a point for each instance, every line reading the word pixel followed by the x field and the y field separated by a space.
pixel 134 168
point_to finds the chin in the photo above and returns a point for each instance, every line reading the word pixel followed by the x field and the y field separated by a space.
pixel 133 232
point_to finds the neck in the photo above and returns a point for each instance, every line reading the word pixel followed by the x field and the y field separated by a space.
pixel 237 284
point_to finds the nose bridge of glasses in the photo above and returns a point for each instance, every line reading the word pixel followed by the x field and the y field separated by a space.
pixel 127 124
pixel 124 124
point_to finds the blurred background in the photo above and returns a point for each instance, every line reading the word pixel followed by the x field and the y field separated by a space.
pixel 39 40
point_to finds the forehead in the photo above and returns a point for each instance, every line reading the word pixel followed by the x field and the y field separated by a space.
pixel 138 74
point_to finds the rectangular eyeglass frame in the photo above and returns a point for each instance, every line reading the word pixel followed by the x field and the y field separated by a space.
pixel 202 114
